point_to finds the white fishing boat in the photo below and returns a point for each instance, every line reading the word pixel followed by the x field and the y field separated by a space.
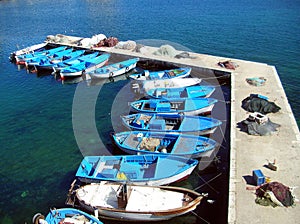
pixel 128 202
pixel 141 87
pixel 26 50
pixel 165 74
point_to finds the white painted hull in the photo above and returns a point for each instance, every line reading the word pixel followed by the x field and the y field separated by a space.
pixel 144 78
pixel 205 110
pixel 111 74
pixel 27 50
pixel 204 132
pixel 144 203
pixel 167 83
pixel 125 216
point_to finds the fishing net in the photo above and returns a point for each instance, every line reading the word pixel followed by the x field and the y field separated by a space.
pixel 253 127
pixel 166 50
pixel 254 103
pixel 256 81
pixel 274 194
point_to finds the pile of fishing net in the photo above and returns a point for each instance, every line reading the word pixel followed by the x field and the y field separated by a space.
pixel 256 81
pixel 257 103
pixel 170 51
pixel 89 42
pixel 228 64
pixel 107 42
pixel 274 194
pixel 126 45
pixel 258 124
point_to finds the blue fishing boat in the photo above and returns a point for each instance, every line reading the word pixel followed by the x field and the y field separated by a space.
pixel 153 170
pixel 186 106
pixel 149 142
pixel 176 123
pixel 165 74
pixel 20 59
pixel 114 70
pixel 44 58
pixel 73 61
pixel 50 63
pixel 65 215
pixel 183 92
pixel 85 66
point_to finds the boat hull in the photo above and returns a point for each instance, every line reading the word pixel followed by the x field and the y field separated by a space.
pixel 148 142
pixel 13 56
pixel 166 74
pixel 83 71
pixel 191 107
pixel 160 182
pixel 65 215
pixel 135 210
pixel 141 87
pixel 151 170
pixel 111 72
pixel 195 125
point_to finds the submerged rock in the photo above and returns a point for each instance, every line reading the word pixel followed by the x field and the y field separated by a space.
pixel 24 194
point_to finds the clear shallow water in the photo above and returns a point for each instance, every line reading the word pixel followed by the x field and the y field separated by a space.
pixel 37 144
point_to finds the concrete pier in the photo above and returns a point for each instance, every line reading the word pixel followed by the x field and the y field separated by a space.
pixel 248 152
pixel 252 152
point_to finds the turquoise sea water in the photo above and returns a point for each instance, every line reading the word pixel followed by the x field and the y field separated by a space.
pixel 38 150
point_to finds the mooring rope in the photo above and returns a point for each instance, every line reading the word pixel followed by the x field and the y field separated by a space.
pixel 199 217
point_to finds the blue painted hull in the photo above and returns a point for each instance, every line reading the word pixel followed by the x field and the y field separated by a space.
pixel 66 215
pixel 153 170
pixel 114 70
pixel 194 106
pixel 22 58
pixel 73 61
pixel 47 58
pixel 136 142
pixel 52 63
pixel 85 66
pixel 198 125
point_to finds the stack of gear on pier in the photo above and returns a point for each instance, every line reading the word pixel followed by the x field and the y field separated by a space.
pixel 258 124
pixel 256 103
pixel 126 45
pixel 107 42
pixel 274 194
pixel 256 81
pixel 228 64
pixel 166 50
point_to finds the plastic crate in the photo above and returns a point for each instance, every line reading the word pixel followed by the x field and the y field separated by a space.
pixel 258 177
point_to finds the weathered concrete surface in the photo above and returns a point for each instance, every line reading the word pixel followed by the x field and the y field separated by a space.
pixel 252 152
